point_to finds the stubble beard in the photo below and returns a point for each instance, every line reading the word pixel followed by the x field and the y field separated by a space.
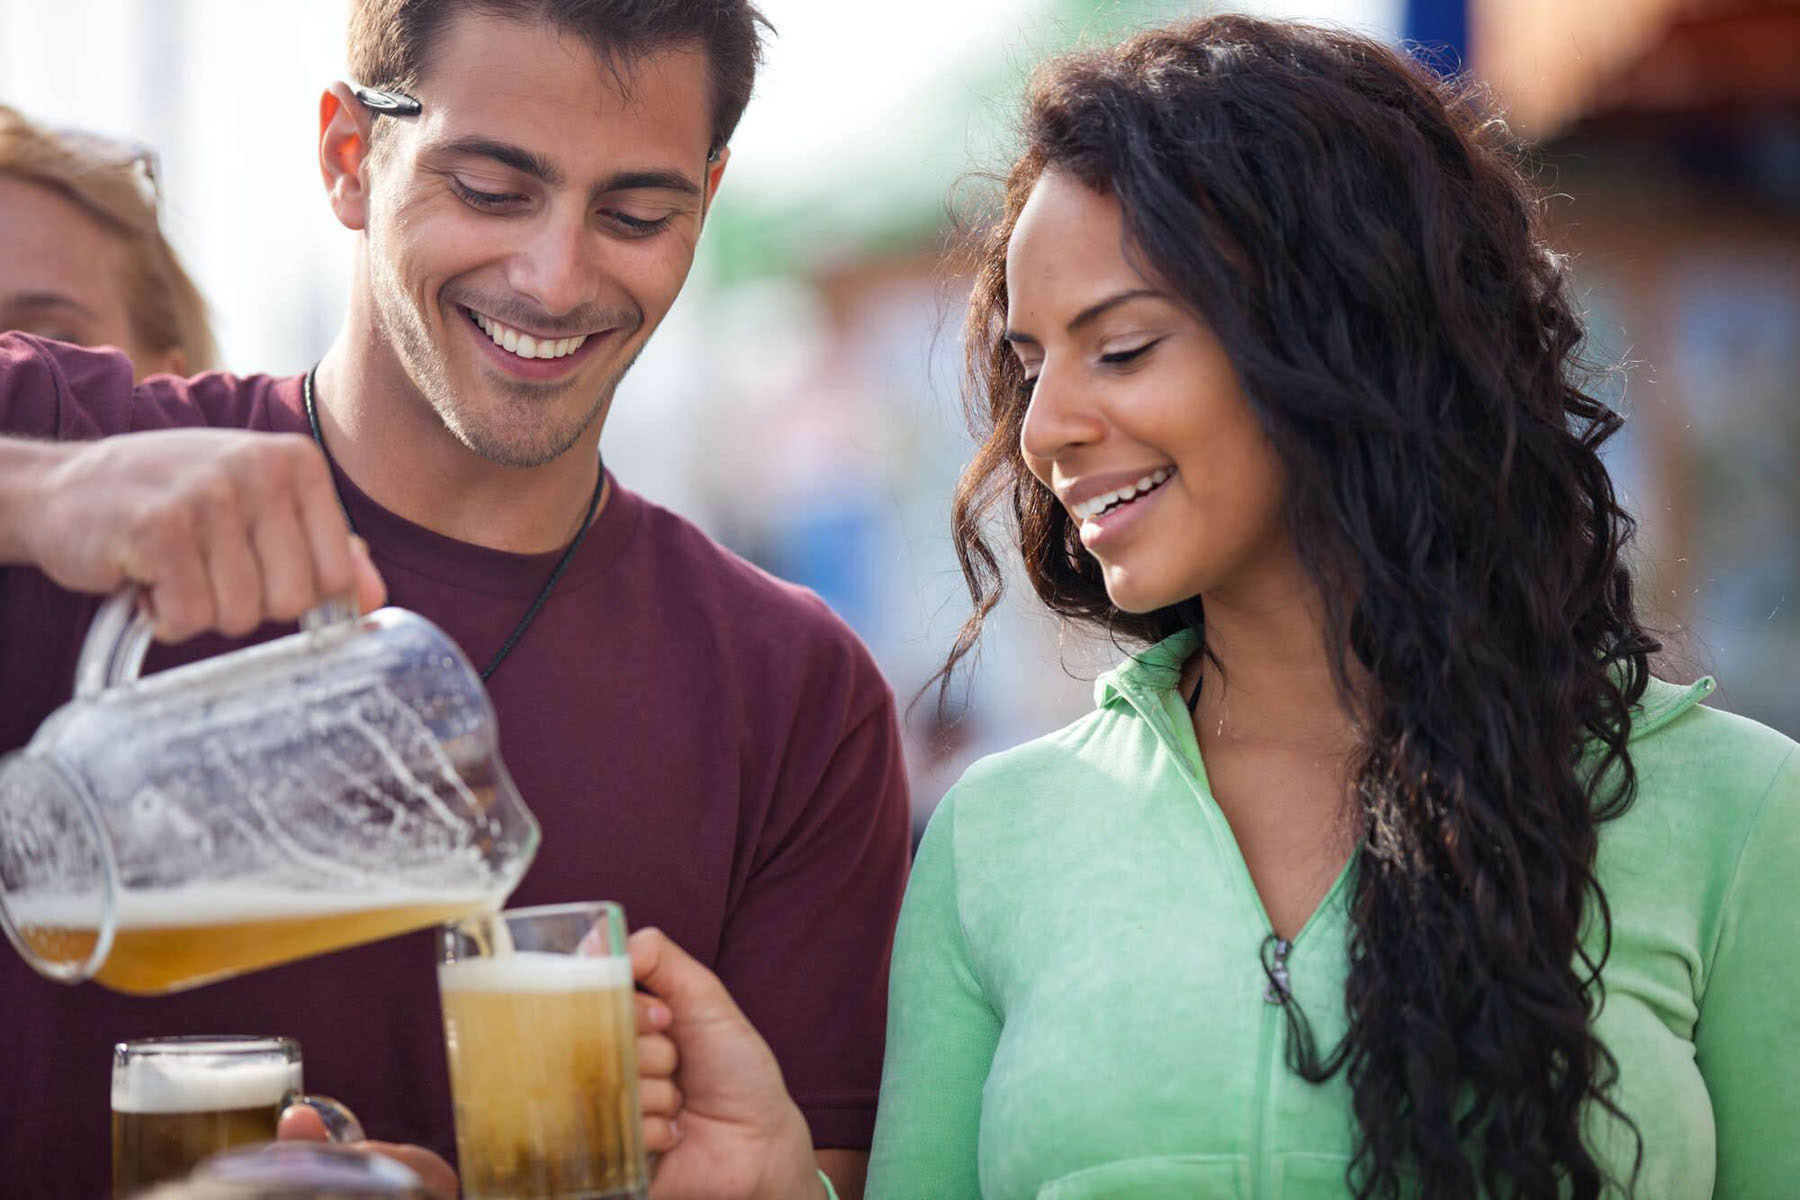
pixel 518 434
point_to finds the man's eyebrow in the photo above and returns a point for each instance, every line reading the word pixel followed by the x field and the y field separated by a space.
pixel 527 162
pixel 38 301
pixel 506 154
pixel 648 181
pixel 1090 314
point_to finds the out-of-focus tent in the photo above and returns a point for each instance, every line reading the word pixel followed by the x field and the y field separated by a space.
pixel 1669 132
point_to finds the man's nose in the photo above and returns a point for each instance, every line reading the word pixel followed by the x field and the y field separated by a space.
pixel 559 265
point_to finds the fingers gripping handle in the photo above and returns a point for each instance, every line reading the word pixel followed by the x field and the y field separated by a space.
pixel 113 653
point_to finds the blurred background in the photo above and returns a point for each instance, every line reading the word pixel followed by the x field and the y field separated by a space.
pixel 801 404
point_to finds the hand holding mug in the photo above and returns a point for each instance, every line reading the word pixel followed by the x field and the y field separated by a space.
pixel 715 1107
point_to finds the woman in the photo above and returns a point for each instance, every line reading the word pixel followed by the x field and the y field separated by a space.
pixel 82 257
pixel 1385 868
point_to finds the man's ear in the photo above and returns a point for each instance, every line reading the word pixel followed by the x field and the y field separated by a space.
pixel 344 126
pixel 715 174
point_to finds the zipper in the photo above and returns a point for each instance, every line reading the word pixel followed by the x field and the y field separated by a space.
pixel 1273 970
pixel 1268 1054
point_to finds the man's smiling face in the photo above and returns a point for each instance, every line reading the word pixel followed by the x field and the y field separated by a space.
pixel 531 228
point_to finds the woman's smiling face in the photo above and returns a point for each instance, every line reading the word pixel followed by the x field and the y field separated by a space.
pixel 1137 421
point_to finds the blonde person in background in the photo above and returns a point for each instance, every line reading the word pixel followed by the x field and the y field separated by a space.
pixel 83 258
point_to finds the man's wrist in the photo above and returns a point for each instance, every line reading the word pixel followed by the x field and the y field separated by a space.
pixel 25 469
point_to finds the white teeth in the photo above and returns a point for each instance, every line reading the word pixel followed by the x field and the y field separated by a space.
pixel 524 344
pixel 1100 504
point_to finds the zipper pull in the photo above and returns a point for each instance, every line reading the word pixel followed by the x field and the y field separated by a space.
pixel 1274 965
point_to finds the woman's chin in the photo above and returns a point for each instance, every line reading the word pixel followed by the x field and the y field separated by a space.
pixel 1132 593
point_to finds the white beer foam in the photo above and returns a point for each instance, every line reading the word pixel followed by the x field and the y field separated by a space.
pixel 219 903
pixel 535 971
pixel 199 1082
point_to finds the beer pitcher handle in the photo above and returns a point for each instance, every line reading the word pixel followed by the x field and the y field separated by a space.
pixel 120 636
pixel 340 1123
pixel 116 644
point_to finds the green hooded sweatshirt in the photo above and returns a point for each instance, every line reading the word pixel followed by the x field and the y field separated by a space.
pixel 1078 1004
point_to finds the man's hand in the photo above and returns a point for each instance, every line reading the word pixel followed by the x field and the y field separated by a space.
pixel 302 1124
pixel 715 1107
pixel 224 529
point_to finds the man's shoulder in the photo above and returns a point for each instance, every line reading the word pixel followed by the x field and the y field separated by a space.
pixel 56 390
pixel 712 590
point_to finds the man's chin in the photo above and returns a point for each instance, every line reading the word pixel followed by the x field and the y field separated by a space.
pixel 534 391
pixel 522 431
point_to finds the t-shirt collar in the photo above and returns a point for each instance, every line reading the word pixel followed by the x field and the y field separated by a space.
pixel 395 541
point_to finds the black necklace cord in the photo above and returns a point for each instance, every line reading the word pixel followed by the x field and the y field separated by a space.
pixel 556 572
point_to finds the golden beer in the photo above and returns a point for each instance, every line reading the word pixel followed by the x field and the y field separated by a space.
pixel 171 941
pixel 543 1069
pixel 178 1100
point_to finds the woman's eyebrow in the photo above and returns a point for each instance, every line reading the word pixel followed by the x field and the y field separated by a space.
pixel 1088 315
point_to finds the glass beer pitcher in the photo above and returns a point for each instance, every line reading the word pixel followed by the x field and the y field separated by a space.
pixel 335 786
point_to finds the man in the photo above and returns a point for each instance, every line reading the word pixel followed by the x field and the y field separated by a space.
pixel 707 745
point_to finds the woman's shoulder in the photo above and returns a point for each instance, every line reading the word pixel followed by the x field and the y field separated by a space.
pixel 1706 781
pixel 1048 768
pixel 1683 747
pixel 1026 802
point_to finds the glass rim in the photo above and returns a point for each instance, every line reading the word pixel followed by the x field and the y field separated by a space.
pixel 498 934
pixel 209 1043
pixel 538 910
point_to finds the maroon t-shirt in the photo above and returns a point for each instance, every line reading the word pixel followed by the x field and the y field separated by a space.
pixel 701 742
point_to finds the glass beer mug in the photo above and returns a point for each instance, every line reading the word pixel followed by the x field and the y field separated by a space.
pixel 335 786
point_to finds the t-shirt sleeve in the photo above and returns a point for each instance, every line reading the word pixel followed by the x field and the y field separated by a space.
pixel 67 393
pixel 941 1038
pixel 805 948
pixel 1747 1040
pixel 53 390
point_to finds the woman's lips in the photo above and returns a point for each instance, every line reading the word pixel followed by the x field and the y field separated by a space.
pixel 1119 520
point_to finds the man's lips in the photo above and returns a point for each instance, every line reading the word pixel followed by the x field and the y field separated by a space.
pixel 550 357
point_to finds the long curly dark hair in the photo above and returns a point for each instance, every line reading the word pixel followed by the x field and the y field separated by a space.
pixel 1360 236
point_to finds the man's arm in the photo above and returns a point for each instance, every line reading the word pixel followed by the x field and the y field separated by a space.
pixel 222 528
pixel 805 948
pixel 25 467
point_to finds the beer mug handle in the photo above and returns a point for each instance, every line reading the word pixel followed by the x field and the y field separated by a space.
pixel 120 636
pixel 340 1123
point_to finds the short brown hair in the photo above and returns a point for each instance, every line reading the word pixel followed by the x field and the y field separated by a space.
pixel 390 40
pixel 166 310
